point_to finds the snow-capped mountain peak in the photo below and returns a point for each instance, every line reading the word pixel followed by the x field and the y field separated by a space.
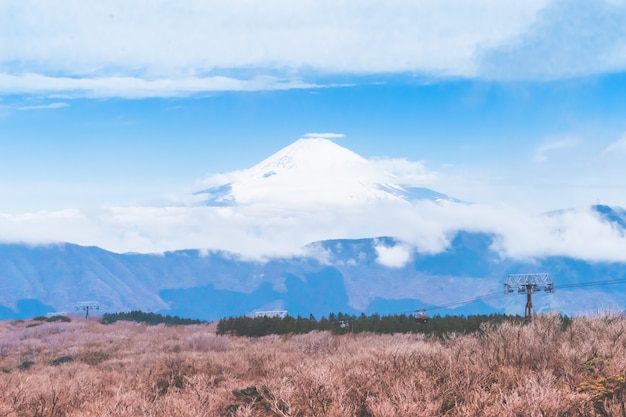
pixel 312 172
pixel 313 155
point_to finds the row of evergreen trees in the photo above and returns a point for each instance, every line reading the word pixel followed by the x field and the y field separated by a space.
pixel 343 323
pixel 147 318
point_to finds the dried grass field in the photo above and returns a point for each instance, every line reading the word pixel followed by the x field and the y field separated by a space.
pixel 84 368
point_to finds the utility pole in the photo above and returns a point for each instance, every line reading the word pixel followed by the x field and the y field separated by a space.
pixel 528 284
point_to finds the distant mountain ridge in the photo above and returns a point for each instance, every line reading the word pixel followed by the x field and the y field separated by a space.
pixel 614 215
pixel 37 280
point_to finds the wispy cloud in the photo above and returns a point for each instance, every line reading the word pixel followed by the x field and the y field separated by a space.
pixel 542 151
pixel 617 147
pixel 51 106
pixel 324 135
pixel 406 172
pixel 133 87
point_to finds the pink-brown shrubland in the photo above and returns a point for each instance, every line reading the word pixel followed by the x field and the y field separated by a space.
pixel 84 368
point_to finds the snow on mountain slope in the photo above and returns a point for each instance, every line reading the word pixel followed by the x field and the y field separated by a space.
pixel 312 171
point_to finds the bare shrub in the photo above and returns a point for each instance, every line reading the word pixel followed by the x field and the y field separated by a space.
pixel 93 357
pixel 317 341
pixel 207 342
pixel 543 369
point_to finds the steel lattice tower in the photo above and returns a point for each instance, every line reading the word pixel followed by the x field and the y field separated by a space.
pixel 528 284
pixel 87 305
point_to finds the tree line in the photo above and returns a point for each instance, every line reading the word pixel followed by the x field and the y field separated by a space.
pixel 147 318
pixel 343 323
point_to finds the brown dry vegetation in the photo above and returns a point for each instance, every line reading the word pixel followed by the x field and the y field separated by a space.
pixel 83 368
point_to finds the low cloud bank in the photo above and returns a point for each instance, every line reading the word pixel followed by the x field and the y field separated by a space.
pixel 423 226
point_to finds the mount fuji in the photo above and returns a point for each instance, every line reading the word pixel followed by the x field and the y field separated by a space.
pixel 369 238
pixel 315 172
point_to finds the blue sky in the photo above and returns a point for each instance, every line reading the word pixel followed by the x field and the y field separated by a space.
pixel 113 104
pixel 117 151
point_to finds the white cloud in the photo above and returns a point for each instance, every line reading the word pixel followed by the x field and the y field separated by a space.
pixel 575 233
pixel 406 172
pixel 617 148
pixel 393 256
pixel 162 37
pixel 568 38
pixel 134 87
pixel 51 106
pixel 172 48
pixel 541 153
pixel 261 232
pixel 323 135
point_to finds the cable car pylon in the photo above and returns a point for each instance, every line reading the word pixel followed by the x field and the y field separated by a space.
pixel 528 284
